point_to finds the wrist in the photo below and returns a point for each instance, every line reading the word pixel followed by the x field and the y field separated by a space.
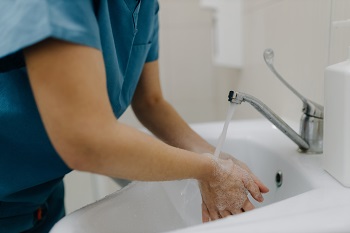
pixel 209 168
pixel 203 149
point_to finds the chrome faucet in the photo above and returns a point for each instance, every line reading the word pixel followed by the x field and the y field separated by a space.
pixel 310 139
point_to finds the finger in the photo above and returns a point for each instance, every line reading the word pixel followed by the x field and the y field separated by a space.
pixel 214 215
pixel 263 188
pixel 254 190
pixel 248 206
pixel 225 156
pixel 260 184
pixel 233 212
pixel 205 213
pixel 225 213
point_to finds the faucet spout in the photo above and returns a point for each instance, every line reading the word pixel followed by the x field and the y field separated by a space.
pixel 239 97
pixel 310 139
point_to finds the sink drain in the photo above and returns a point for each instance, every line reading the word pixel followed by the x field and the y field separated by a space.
pixel 279 179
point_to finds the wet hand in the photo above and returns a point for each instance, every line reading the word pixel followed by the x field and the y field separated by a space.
pixel 262 187
pixel 226 193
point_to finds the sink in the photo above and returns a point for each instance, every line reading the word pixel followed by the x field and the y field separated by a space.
pixel 302 197
pixel 283 177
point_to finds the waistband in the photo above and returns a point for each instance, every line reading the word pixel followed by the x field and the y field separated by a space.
pixel 18 217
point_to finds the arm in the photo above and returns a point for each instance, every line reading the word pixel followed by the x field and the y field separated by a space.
pixel 69 86
pixel 156 114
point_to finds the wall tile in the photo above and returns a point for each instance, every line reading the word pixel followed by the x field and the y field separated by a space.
pixel 298 33
pixel 340 38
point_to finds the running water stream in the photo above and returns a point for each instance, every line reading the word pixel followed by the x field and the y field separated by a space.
pixel 230 112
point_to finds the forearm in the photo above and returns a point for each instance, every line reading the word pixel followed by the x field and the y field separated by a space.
pixel 123 152
pixel 160 117
pixel 164 122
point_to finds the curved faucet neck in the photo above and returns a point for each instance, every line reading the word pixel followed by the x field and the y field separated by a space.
pixel 302 141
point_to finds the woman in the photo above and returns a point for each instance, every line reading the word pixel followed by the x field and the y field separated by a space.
pixel 68 70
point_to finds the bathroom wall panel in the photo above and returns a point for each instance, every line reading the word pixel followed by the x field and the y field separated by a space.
pixel 340 38
pixel 298 33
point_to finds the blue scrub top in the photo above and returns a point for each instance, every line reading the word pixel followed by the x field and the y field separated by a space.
pixel 31 172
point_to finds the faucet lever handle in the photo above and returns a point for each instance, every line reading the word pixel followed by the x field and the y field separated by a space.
pixel 310 108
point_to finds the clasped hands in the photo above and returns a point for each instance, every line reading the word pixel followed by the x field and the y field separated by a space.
pixel 226 192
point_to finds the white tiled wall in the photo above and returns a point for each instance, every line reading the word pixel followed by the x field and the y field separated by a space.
pixel 340 38
pixel 298 31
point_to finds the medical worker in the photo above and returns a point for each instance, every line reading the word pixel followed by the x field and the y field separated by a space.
pixel 68 71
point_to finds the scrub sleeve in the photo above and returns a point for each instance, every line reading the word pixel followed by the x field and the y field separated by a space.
pixel 27 22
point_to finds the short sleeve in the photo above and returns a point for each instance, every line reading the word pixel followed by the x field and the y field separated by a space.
pixel 154 50
pixel 26 22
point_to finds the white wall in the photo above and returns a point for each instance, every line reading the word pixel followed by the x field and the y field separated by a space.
pixel 298 31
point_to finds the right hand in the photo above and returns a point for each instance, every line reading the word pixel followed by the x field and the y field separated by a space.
pixel 225 192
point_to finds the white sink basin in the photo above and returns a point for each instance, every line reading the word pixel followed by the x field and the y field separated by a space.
pixel 283 177
pixel 308 199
